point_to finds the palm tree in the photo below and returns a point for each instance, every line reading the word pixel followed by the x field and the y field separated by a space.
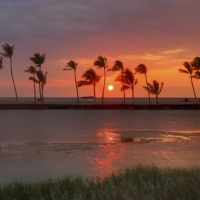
pixel 154 89
pixel 189 70
pixel 91 78
pixel 129 81
pixel 102 63
pixel 41 80
pixel 142 69
pixel 8 53
pixel 118 66
pixel 38 60
pixel 32 70
pixel 71 65
pixel 1 61
pixel 197 75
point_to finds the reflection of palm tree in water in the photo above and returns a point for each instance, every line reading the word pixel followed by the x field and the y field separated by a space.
pixel 103 160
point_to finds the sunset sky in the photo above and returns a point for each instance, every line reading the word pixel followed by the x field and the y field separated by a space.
pixel 161 34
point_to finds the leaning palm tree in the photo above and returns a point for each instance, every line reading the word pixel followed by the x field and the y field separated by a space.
pixel 32 70
pixel 154 89
pixel 38 60
pixel 8 53
pixel 90 78
pixel 189 70
pixel 71 65
pixel 1 61
pixel 118 66
pixel 142 69
pixel 41 80
pixel 129 81
pixel 101 62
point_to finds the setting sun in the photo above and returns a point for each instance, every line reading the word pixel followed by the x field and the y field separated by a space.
pixel 110 87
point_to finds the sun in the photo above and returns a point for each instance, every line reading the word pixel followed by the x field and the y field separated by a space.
pixel 110 87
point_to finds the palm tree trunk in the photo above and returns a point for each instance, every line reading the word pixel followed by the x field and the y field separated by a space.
pixel 147 87
pixel 34 90
pixel 104 84
pixel 40 91
pixel 133 94
pixel 13 79
pixel 123 85
pixel 157 98
pixel 94 92
pixel 193 90
pixel 76 86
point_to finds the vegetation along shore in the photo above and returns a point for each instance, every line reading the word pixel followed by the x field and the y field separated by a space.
pixel 126 77
pixel 135 183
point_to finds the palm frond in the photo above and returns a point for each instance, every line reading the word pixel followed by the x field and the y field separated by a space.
pixel 83 83
pixel 196 63
pixel 155 88
pixel 100 62
pixel 33 79
pixel 30 70
pixel 71 65
pixel 188 67
pixel 183 71
pixel 141 69
pixel 8 50
pixel 38 59
pixel 197 75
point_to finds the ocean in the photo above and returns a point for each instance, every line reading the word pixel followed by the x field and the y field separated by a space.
pixel 40 144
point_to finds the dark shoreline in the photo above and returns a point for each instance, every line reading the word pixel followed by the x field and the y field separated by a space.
pixel 101 106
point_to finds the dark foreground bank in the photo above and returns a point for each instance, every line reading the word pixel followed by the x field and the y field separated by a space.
pixel 103 106
pixel 136 183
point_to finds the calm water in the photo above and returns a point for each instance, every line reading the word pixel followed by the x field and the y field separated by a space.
pixel 42 144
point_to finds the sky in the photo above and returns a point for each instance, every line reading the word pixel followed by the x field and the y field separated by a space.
pixel 162 34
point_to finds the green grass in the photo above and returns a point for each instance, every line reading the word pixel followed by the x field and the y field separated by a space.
pixel 136 183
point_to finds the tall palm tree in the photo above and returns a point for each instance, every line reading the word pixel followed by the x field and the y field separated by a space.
pixel 154 89
pixel 32 70
pixel 101 62
pixel 71 65
pixel 90 78
pixel 8 53
pixel 189 70
pixel 118 66
pixel 1 61
pixel 38 60
pixel 142 69
pixel 129 81
pixel 41 79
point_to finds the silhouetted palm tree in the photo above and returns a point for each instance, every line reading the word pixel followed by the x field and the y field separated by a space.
pixel 129 81
pixel 102 63
pixel 189 70
pixel 118 66
pixel 71 65
pixel 41 79
pixel 90 78
pixel 142 69
pixel 38 60
pixel 1 63
pixel 32 70
pixel 8 53
pixel 154 89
